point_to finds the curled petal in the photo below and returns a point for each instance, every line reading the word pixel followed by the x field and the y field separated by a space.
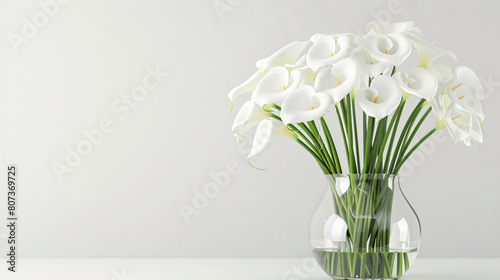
pixel 248 86
pixel 249 116
pixel 286 55
pixel 381 98
pixel 466 76
pixel 428 52
pixel 338 81
pixel 322 53
pixel 369 65
pixel 459 123
pixel 275 86
pixel 264 135
pixel 330 49
pixel 466 99
pixel 303 105
pixel 444 75
pixel 418 81
pixel 439 104
pixel 392 48
pixel 395 27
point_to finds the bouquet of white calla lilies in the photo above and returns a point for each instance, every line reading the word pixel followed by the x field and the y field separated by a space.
pixel 355 232
pixel 295 88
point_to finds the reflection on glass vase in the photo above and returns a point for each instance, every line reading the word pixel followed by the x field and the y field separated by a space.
pixel 364 228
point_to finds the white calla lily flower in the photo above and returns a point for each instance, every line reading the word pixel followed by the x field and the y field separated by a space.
pixel 459 124
pixel 304 104
pixel 328 49
pixel 392 27
pixel 391 48
pixel 286 55
pixel 427 52
pixel 418 81
pixel 467 100
pixel 461 86
pixel 465 76
pixel 368 65
pixel 444 75
pixel 338 81
pixel 381 98
pixel 264 135
pixel 439 104
pixel 276 86
pixel 249 116
pixel 247 86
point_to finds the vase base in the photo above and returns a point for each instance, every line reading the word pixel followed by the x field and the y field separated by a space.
pixel 366 265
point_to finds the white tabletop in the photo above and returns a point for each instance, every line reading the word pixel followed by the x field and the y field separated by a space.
pixel 234 269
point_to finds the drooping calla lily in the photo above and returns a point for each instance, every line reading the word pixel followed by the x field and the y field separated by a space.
pixel 338 81
pixel 462 125
pixel 264 135
pixel 381 98
pixel 444 75
pixel 439 103
pixel 304 104
pixel 286 55
pixel 392 27
pixel 392 48
pixel 328 49
pixel 427 52
pixel 418 81
pixel 247 86
pixel 466 99
pixel 249 116
pixel 276 86
pixel 368 65
pixel 465 76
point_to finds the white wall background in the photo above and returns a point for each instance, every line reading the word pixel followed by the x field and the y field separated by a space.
pixel 123 199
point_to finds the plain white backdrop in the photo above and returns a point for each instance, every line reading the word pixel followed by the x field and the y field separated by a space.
pixel 70 68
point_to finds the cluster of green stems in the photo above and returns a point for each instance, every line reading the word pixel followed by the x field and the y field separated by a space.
pixel 378 138
pixel 380 150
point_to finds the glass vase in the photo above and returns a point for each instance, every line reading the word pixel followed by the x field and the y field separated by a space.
pixel 364 228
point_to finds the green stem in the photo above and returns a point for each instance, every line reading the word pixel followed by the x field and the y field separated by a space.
pixel 354 117
pixel 403 135
pixel 331 145
pixel 320 161
pixel 315 132
pixel 398 167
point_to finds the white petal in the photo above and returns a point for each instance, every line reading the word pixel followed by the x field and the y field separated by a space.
pixel 329 49
pixel 428 52
pixel 248 86
pixel 303 105
pixel 249 116
pixel 387 94
pixel 274 87
pixel 286 55
pixel 392 48
pixel 369 65
pixel 395 27
pixel 418 81
pixel 467 77
pixel 317 37
pixel 444 75
pixel 458 123
pixel 322 53
pixel 263 136
pixel 466 99
pixel 338 81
